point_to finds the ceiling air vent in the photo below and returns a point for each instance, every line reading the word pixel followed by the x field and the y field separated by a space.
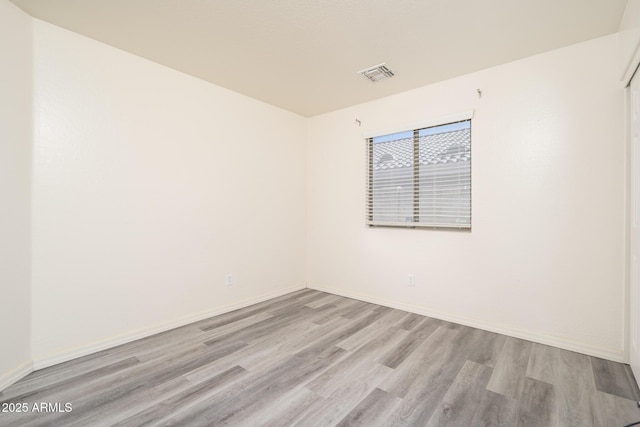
pixel 377 73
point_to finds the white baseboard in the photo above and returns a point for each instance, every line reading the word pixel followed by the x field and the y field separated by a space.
pixel 17 373
pixel 564 343
pixel 74 353
pixel 26 368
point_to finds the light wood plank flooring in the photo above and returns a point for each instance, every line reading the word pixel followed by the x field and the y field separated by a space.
pixel 311 358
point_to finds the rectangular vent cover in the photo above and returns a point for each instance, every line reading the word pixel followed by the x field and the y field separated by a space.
pixel 377 73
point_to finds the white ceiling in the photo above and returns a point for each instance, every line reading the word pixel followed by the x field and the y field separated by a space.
pixel 302 55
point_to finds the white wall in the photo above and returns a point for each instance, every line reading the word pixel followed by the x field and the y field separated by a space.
pixel 145 195
pixel 545 258
pixel 149 186
pixel 15 182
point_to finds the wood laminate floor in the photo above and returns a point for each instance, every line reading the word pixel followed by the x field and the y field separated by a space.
pixel 311 358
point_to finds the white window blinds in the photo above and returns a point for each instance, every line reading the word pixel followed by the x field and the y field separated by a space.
pixel 420 177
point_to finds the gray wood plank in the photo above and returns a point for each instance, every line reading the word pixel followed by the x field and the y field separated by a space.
pixel 411 321
pixel 368 333
pixel 311 358
pixel 574 382
pixel 407 346
pixel 537 406
pixel 611 377
pixel 260 390
pixel 459 405
pixel 178 401
pixel 560 367
pixel 311 296
pixel 430 356
pixel 345 396
pixel 423 383
pixel 72 381
pixel 325 300
pixel 372 410
pixel 124 387
pixel 510 371
pixel 343 306
pixel 285 410
pixel 495 410
pixel 485 346
pixel 611 410
pixel 363 307
pixel 353 364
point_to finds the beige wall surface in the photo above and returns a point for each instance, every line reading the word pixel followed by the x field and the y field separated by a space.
pixel 149 187
pixel 545 257
pixel 15 182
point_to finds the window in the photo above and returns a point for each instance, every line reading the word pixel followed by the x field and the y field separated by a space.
pixel 421 177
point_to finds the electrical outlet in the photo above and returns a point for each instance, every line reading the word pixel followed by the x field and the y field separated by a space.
pixel 412 279
pixel 229 280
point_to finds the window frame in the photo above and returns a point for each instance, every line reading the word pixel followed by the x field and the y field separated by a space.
pixel 415 128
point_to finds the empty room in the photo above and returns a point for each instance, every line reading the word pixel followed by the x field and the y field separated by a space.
pixel 319 212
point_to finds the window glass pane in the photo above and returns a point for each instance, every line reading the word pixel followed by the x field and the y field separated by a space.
pixel 393 177
pixel 393 136
pixel 421 177
pixel 445 174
